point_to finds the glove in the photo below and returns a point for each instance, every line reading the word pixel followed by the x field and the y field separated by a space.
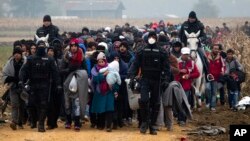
pixel 20 84
pixel 59 89
pixel 69 55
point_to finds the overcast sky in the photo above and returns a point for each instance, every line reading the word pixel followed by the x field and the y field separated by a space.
pixel 181 8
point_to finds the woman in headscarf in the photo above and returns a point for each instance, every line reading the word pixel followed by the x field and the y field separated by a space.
pixel 104 95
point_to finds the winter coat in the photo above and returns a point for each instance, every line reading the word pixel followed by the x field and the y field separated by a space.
pixel 113 75
pixel 175 97
pixel 52 30
pixel 82 91
pixel 234 64
pixel 11 71
pixel 127 57
pixel 192 71
pixel 191 27
pixel 102 102
pixel 216 66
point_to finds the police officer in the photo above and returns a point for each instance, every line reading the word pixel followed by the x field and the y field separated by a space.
pixel 194 25
pixel 155 70
pixel 40 70
pixel 48 28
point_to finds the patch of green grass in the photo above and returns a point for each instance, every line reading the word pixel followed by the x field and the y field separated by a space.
pixel 5 53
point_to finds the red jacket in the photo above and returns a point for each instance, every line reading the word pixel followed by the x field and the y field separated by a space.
pixel 77 58
pixel 192 71
pixel 216 65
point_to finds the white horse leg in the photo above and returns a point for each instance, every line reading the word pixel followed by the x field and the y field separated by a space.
pixel 199 82
pixel 198 92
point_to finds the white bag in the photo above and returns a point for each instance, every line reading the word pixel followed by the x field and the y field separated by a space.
pixel 73 84
pixel 133 99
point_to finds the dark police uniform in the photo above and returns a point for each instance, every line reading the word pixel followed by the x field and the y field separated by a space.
pixel 52 30
pixel 191 27
pixel 40 70
pixel 155 70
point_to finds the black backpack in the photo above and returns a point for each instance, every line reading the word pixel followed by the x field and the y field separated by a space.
pixel 241 73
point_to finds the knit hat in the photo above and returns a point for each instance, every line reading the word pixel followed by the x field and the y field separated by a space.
pixel 163 38
pixel 192 14
pixel 152 34
pixel 74 41
pixel 100 56
pixel 47 18
pixel 17 50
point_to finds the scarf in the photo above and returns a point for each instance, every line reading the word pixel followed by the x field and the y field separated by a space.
pixel 104 87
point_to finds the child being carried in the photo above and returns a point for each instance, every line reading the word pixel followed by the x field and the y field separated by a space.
pixel 113 73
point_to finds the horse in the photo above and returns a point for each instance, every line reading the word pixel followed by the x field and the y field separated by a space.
pixel 200 82
pixel 45 39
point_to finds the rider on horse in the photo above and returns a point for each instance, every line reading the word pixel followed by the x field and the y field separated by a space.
pixel 194 25
pixel 48 28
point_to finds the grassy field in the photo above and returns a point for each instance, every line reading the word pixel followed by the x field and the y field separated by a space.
pixel 5 53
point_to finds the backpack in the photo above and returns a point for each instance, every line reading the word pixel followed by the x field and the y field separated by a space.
pixel 241 73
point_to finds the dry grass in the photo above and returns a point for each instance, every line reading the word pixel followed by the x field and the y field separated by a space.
pixel 30 25
pixel 241 44
pixel 5 53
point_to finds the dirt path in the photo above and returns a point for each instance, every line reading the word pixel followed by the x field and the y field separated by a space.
pixel 87 134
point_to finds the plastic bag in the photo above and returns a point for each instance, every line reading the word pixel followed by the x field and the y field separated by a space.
pixel 73 84
pixel 133 98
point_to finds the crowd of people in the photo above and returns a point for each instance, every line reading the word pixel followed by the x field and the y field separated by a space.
pixel 82 76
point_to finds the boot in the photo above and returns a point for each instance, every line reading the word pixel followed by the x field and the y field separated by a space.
pixel 33 118
pixel 144 127
pixel 77 123
pixel 144 111
pixel 109 119
pixel 13 125
pixel 101 121
pixel 68 122
pixel 93 120
pixel 42 117
pixel 153 119
pixel 153 131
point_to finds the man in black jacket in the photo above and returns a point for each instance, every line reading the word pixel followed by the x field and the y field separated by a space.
pixel 155 70
pixel 194 25
pixel 48 28
pixel 41 70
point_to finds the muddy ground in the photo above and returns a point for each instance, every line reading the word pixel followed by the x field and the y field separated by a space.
pixel 223 117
